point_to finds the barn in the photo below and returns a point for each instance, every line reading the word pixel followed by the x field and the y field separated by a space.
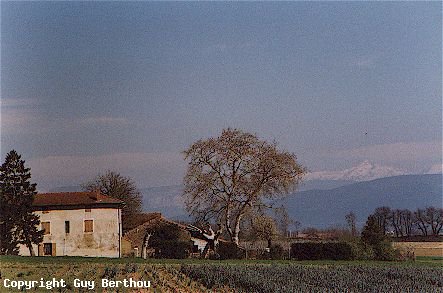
pixel 136 240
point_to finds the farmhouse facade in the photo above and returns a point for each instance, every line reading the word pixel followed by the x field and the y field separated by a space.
pixel 78 224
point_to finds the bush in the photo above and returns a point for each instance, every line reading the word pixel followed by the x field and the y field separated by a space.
pixel 170 242
pixel 277 252
pixel 385 251
pixel 322 250
pixel 228 250
pixel 173 249
pixel 361 250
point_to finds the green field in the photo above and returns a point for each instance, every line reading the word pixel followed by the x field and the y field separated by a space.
pixel 194 275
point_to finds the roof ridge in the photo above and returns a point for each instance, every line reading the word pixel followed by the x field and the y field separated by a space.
pixel 74 198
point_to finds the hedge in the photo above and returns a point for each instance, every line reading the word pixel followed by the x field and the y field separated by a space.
pixel 322 250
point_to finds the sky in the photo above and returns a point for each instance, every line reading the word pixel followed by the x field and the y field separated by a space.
pixel 127 86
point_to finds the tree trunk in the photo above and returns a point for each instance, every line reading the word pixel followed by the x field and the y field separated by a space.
pixel 228 221
pixel 31 249
pixel 236 230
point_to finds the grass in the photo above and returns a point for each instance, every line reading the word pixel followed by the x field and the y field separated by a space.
pixel 420 261
pixel 437 260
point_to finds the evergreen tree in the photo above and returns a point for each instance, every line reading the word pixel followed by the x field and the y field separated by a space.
pixel 18 223
pixel 372 233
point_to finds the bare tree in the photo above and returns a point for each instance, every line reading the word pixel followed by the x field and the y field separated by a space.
pixel 351 220
pixel 235 174
pixel 420 220
pixel 407 222
pixel 283 220
pixel 382 217
pixel 117 186
pixel 397 222
pixel 297 226
pixel 434 218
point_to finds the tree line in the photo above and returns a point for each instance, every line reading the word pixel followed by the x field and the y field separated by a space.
pixel 403 222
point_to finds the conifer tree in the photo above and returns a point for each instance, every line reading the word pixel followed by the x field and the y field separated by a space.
pixel 372 233
pixel 18 223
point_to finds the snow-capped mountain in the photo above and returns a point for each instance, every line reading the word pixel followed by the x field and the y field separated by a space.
pixel 365 171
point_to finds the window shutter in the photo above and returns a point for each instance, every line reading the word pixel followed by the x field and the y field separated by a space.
pixel 47 227
pixel 53 249
pixel 89 226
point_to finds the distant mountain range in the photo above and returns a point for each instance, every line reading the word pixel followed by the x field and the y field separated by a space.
pixel 365 171
pixel 328 204
pixel 325 208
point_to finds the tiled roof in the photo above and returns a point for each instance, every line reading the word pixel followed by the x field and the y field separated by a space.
pixel 137 234
pixel 74 199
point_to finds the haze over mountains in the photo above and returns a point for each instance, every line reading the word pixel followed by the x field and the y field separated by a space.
pixel 365 171
pixel 324 198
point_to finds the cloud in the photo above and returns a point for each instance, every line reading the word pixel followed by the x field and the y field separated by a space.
pixel 18 102
pixel 17 120
pixel 436 169
pixel 28 120
pixel 394 152
pixel 363 62
pixel 225 47
pixel 18 113
pixel 147 169
pixel 104 120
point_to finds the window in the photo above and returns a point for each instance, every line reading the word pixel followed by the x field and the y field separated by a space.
pixel 46 226
pixel 47 249
pixel 67 227
pixel 89 226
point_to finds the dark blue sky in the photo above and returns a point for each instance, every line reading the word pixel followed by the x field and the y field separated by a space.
pixel 128 85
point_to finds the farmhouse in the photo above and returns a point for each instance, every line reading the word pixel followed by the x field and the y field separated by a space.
pixel 78 224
